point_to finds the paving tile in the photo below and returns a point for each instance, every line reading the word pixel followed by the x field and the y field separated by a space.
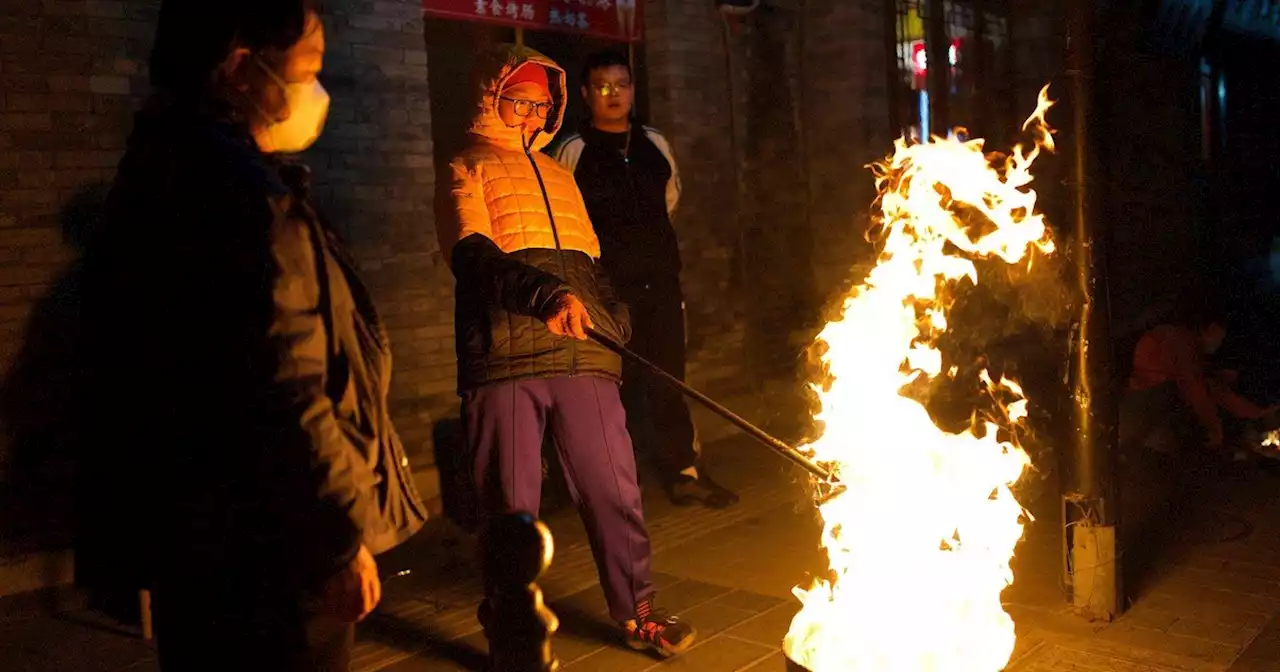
pixel 423 663
pixel 686 594
pixel 408 635
pixel 1056 619
pixel 736 557
pixel 571 647
pixel 1202 609
pixel 712 618
pixel 583 632
pixel 58 644
pixel 1140 641
pixel 749 601
pixel 1196 597
pixel 661 580
pixel 1239 553
pixel 777 662
pixel 1150 617
pixel 1214 563
pixel 615 659
pixel 1263 653
pixel 1060 659
pixel 1256 570
pixel 1027 646
pixel 717 653
pixel 1226 580
pixel 1228 633
pixel 590 601
pixel 766 629
pixel 384 639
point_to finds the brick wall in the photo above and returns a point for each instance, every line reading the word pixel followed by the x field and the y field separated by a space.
pixel 846 121
pixel 71 74
pixel 688 100
pixel 776 201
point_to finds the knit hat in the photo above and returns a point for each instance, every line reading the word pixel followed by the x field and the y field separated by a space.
pixel 529 72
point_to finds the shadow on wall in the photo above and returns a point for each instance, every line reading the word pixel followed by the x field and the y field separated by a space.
pixel 39 402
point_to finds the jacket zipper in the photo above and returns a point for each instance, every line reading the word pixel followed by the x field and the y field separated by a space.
pixel 555 234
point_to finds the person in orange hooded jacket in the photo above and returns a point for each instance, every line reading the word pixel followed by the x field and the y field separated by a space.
pixel 515 232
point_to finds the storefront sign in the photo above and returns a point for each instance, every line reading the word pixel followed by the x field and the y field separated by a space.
pixel 618 20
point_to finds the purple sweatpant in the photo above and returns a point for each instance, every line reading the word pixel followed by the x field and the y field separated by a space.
pixel 505 423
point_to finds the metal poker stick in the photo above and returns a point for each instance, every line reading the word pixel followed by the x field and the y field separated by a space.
pixel 770 441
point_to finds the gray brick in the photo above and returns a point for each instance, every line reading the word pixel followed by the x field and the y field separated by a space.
pixel 23 83
pixel 112 9
pixel 109 85
pixel 86 159
pixel 378 55
pixel 66 83
pixel 26 121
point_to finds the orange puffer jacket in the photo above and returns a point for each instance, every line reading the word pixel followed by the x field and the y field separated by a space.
pixel 514 229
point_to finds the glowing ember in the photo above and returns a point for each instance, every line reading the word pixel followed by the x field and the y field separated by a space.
pixel 1272 440
pixel 919 546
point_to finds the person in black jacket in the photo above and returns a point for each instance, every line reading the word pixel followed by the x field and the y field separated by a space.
pixel 238 370
pixel 631 185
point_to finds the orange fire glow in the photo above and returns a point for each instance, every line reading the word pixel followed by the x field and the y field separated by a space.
pixel 919 546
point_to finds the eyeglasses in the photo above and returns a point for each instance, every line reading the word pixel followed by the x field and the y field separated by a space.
pixel 610 89
pixel 524 108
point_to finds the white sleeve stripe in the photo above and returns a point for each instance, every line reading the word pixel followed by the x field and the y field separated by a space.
pixel 570 151
pixel 674 187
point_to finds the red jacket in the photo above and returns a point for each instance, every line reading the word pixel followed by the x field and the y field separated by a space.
pixel 1171 354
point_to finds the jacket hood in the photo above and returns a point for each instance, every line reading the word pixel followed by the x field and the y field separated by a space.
pixel 492 70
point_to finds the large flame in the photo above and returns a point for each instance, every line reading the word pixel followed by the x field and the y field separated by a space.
pixel 920 544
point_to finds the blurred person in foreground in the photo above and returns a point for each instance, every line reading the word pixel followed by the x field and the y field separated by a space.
pixel 631 184
pixel 239 367
pixel 515 232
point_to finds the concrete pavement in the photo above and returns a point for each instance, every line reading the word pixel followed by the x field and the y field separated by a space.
pixel 1212 605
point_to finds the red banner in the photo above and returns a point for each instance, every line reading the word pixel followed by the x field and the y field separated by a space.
pixel 618 20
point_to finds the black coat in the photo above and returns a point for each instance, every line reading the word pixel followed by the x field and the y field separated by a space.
pixel 500 297
pixel 238 373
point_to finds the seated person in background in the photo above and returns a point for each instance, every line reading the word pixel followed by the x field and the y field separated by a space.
pixel 1172 389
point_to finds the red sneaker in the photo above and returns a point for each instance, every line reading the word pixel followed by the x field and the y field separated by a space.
pixel 652 629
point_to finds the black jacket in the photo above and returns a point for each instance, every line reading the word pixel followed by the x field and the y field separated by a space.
pixel 629 183
pixel 239 372
pixel 501 298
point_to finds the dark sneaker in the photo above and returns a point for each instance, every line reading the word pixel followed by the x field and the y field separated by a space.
pixel 687 491
pixel 654 630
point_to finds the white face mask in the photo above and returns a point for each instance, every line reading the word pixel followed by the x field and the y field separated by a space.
pixel 308 108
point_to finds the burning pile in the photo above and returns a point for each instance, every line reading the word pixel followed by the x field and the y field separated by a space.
pixel 919 546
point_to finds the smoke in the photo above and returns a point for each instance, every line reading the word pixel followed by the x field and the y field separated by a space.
pixel 1013 323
